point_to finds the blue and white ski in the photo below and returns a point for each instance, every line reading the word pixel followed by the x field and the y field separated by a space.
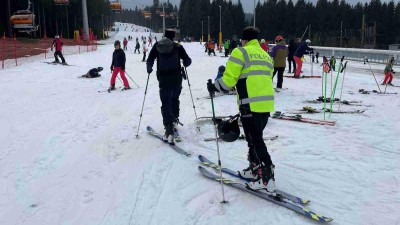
pixel 291 197
pixel 159 136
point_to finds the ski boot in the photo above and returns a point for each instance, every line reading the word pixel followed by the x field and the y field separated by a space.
pixel 265 181
pixel 64 63
pixel 111 88
pixel 176 135
pixel 169 134
pixel 390 84
pixel 55 61
pixel 126 88
pixel 249 173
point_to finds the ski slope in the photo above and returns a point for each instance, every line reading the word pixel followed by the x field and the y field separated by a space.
pixel 68 154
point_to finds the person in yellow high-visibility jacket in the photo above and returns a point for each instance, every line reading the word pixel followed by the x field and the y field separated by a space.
pixel 250 69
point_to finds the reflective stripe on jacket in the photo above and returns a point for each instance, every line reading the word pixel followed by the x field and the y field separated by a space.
pixel 250 69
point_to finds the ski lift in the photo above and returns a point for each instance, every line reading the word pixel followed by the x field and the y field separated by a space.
pixel 116 7
pixel 24 20
pixel 61 2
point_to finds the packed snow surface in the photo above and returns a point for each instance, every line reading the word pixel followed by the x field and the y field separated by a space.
pixel 69 155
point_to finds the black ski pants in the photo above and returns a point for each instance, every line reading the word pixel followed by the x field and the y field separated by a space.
pixel 144 57
pixel 170 103
pixel 58 53
pixel 280 71
pixel 226 52
pixel 253 126
pixel 137 49
pixel 291 61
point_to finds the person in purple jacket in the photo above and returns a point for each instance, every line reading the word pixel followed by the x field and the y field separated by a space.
pixel 279 53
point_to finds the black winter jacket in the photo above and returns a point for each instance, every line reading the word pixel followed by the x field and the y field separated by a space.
pixel 118 59
pixel 169 74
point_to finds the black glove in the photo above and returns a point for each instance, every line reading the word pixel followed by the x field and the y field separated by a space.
pixel 149 70
pixel 123 68
pixel 111 68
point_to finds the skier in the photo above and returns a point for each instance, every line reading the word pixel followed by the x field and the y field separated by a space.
pixel 256 101
pixel 168 55
pixel 292 49
pixel 279 53
pixel 137 46
pixel 125 43
pixel 226 47
pixel 118 66
pixel 150 41
pixel 301 50
pixel 144 49
pixel 263 45
pixel 326 66
pixel 211 47
pixel 317 56
pixel 93 73
pixel 389 73
pixel 332 63
pixel 57 44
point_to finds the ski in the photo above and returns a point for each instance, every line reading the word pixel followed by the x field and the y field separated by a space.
pixel 362 91
pixel 277 199
pixel 243 137
pixel 289 76
pixel 55 63
pixel 159 136
pixel 298 118
pixel 210 164
pixel 310 110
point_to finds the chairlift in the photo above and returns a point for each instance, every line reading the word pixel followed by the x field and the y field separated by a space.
pixel 24 20
pixel 116 7
pixel 61 2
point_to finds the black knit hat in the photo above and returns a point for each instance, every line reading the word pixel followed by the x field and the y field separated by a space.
pixel 169 33
pixel 250 33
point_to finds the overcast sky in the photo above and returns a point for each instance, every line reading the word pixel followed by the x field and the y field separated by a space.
pixel 247 4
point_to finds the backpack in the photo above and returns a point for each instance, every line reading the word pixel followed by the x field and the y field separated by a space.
pixel 169 62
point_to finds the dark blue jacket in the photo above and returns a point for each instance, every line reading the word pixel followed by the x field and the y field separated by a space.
pixel 118 59
pixel 301 50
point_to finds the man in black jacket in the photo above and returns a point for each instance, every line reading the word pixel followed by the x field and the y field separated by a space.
pixel 168 55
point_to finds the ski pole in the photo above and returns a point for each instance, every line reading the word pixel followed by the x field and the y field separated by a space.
pixel 216 141
pixel 132 79
pixel 373 74
pixel 312 66
pixel 341 89
pixel 141 113
pixel 326 84
pixel 190 89
pixel 334 88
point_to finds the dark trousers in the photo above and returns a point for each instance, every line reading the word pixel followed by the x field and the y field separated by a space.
pixel 291 61
pixel 226 52
pixel 170 103
pixel 280 76
pixel 211 51
pixel 253 126
pixel 144 57
pixel 58 53
pixel 137 49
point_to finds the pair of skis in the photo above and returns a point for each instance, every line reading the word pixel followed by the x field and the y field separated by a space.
pixel 298 118
pixel 362 91
pixel 280 197
pixel 173 146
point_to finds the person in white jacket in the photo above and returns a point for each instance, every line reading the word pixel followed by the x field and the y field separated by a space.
pixel 144 49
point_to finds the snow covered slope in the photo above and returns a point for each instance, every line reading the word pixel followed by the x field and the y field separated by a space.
pixel 68 154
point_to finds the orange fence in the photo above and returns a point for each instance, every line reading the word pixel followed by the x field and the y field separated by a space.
pixel 15 51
